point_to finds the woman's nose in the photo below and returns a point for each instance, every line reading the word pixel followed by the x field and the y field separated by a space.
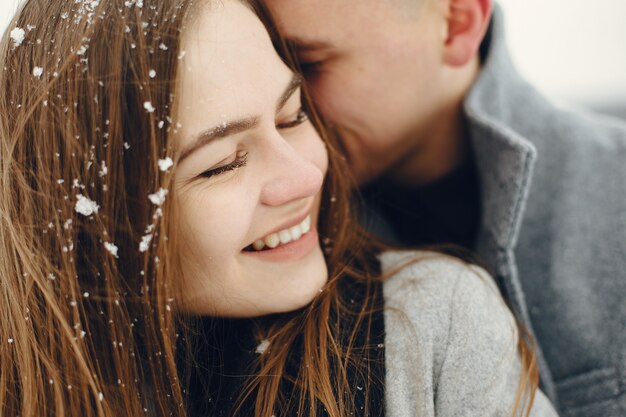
pixel 295 177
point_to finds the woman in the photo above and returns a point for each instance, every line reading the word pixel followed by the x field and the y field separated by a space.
pixel 162 194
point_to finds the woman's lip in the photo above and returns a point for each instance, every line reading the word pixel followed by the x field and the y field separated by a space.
pixel 293 221
pixel 291 251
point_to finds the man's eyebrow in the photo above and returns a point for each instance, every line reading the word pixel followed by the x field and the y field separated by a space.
pixel 237 126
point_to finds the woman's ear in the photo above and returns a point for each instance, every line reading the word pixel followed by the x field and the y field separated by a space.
pixel 467 22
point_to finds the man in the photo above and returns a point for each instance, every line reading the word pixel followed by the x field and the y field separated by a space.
pixel 450 145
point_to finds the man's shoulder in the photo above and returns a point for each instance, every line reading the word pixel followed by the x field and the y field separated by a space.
pixel 565 125
pixel 503 103
pixel 517 108
pixel 564 137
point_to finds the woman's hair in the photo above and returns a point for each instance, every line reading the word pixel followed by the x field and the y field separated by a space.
pixel 88 253
pixel 87 260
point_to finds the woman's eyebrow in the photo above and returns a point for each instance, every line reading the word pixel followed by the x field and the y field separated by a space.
pixel 233 127
pixel 294 84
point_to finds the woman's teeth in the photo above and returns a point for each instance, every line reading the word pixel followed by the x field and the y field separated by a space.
pixel 284 236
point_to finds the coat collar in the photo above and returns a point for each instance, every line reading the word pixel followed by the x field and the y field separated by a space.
pixel 504 158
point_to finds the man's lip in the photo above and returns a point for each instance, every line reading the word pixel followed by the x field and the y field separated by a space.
pixel 293 221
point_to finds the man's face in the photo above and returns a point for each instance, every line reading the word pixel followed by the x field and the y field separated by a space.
pixel 374 70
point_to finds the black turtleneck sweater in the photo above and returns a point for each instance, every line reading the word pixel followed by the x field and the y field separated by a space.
pixel 442 213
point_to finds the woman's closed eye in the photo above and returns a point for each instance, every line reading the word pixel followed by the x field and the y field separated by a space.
pixel 240 160
pixel 300 118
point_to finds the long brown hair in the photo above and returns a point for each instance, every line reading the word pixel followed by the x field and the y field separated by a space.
pixel 86 259
pixel 88 321
pixel 85 308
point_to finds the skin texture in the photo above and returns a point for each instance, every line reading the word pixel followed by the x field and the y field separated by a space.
pixel 390 76
pixel 231 71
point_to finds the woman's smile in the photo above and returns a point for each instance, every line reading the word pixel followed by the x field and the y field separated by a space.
pixel 249 230
pixel 289 244
pixel 282 235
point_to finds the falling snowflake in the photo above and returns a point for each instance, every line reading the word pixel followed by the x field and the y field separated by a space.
pixel 131 3
pixel 144 245
pixel 148 106
pixel 165 164
pixel 163 47
pixel 85 206
pixel 262 347
pixel 18 35
pixel 111 248
pixel 158 198
pixel 86 8
pixel 38 72
pixel 152 73
pixel 77 184
pixel 103 169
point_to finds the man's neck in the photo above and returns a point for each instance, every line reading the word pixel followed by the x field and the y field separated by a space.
pixel 444 142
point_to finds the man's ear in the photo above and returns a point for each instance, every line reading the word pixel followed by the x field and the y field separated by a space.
pixel 467 22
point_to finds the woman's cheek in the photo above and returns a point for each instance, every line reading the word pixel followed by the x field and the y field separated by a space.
pixel 213 223
pixel 315 149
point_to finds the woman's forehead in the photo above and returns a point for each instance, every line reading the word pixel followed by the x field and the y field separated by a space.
pixel 227 45
pixel 230 68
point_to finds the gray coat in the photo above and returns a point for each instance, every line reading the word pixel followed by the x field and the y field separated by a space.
pixel 450 342
pixel 553 228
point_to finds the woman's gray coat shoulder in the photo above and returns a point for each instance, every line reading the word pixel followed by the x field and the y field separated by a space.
pixel 451 341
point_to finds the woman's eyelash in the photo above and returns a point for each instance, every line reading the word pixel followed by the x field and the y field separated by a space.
pixel 301 117
pixel 239 162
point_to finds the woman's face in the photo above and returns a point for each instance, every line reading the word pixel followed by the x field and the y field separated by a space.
pixel 249 174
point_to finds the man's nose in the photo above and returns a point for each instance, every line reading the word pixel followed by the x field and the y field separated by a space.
pixel 295 177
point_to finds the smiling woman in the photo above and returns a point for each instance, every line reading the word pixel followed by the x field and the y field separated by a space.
pixel 163 172
pixel 247 145
pixel 176 237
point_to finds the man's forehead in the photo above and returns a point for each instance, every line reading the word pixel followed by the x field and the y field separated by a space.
pixel 305 14
pixel 321 7
pixel 312 19
pixel 319 24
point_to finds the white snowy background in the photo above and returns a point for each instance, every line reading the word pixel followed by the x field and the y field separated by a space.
pixel 573 50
